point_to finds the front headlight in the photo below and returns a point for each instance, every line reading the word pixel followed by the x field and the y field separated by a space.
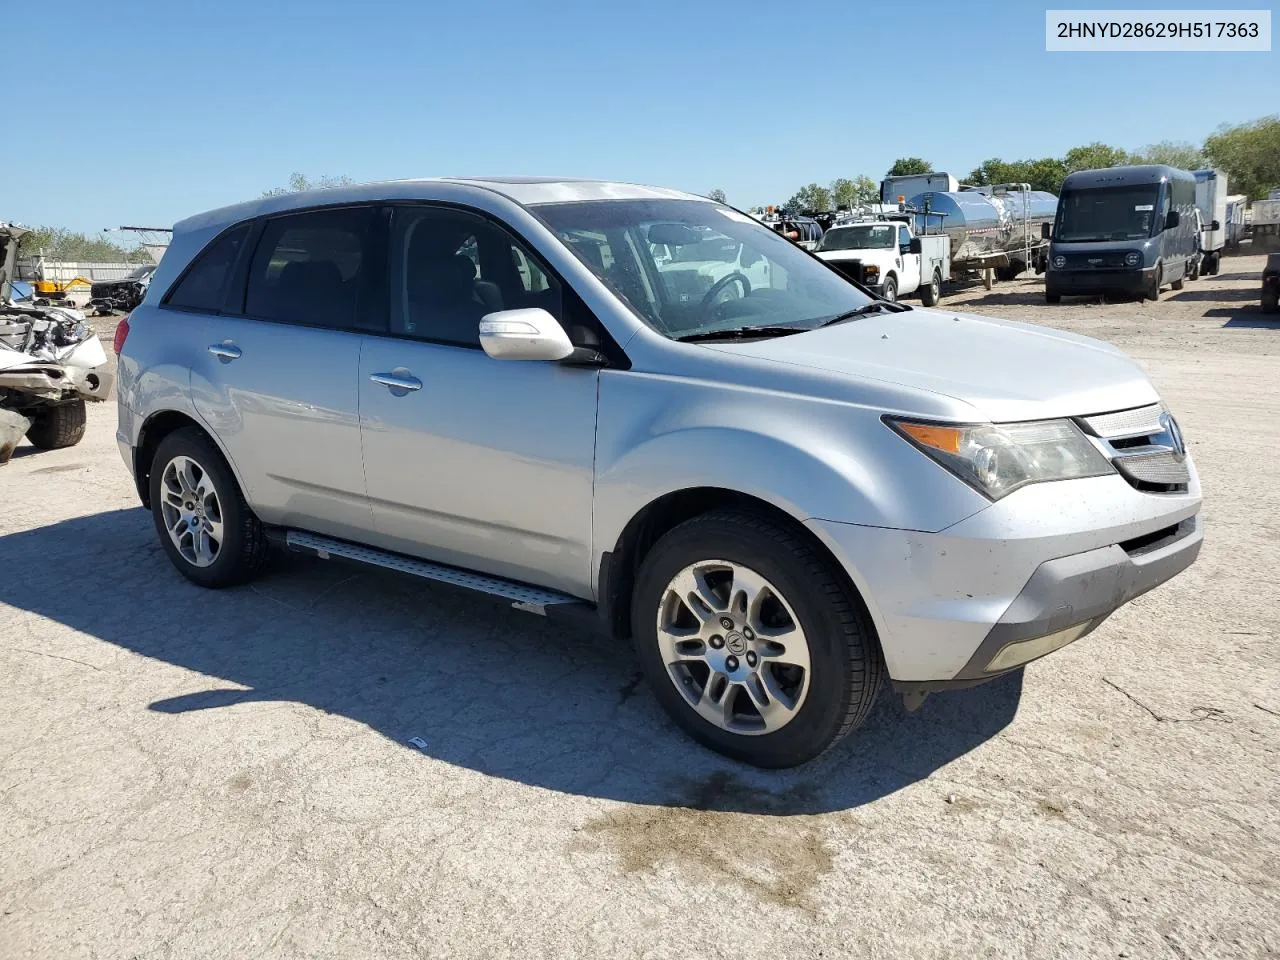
pixel 997 459
pixel 1132 258
pixel 872 271
pixel 1059 261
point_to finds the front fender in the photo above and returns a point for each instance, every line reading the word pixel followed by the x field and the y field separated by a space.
pixel 811 458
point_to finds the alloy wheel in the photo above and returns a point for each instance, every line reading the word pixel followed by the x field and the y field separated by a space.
pixel 192 511
pixel 733 646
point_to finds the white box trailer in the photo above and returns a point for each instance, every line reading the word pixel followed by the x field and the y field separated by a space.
pixel 1211 201
pixel 1266 224
pixel 1237 204
pixel 912 185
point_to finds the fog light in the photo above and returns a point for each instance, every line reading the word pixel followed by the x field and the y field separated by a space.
pixel 1024 651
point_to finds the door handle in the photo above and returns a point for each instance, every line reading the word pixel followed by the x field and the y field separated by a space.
pixel 402 381
pixel 225 351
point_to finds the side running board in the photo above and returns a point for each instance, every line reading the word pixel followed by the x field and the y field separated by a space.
pixel 525 597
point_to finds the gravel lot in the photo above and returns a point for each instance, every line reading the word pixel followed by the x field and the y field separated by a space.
pixel 192 774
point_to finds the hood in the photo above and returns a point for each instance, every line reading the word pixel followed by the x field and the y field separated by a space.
pixel 1006 371
pixel 871 255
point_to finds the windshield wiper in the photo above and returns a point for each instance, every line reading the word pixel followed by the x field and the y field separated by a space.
pixel 875 306
pixel 740 333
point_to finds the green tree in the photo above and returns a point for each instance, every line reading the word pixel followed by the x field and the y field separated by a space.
pixel 1094 156
pixel 1249 153
pixel 905 166
pixel 812 197
pixel 1046 173
pixel 1185 156
pixel 853 193
pixel 59 243
pixel 300 181
pixel 718 196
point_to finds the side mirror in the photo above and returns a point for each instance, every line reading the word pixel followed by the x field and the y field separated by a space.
pixel 915 246
pixel 527 334
pixel 1046 230
pixel 1212 225
pixel 1172 220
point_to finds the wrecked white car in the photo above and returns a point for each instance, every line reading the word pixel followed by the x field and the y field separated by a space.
pixel 51 362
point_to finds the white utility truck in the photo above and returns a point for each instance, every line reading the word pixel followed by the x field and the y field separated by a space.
pixel 1211 201
pixel 889 258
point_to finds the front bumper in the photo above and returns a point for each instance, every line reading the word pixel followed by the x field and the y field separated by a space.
pixel 1031 573
pixel 1067 282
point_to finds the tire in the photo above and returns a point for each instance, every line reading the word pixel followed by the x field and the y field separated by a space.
pixel 1215 263
pixel 242 550
pixel 1153 289
pixel 1179 283
pixel 845 668
pixel 1052 297
pixel 1195 270
pixel 931 292
pixel 890 292
pixel 1271 305
pixel 53 428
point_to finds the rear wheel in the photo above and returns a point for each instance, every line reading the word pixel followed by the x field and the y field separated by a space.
pixel 1270 304
pixel 932 292
pixel 53 428
pixel 1179 283
pixel 1194 274
pixel 890 288
pixel 1052 297
pixel 204 523
pixel 752 641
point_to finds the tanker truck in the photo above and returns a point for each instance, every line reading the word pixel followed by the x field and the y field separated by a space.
pixel 994 230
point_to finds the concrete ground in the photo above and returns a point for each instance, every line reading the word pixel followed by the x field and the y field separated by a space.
pixel 192 774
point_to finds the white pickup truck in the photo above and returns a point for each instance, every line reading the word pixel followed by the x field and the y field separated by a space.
pixel 887 257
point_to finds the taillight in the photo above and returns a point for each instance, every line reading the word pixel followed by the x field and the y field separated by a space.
pixel 122 331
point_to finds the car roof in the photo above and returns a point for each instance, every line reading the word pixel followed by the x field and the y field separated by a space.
pixel 1120 176
pixel 525 191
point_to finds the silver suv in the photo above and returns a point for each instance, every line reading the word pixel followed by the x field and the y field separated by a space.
pixel 778 486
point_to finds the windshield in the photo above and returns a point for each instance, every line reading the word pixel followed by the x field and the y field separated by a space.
pixel 1107 213
pixel 872 236
pixel 686 266
pixel 142 272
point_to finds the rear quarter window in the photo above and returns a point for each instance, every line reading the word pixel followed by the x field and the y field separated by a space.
pixel 204 285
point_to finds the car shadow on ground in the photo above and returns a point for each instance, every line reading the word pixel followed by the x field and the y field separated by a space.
pixel 488 688
pixel 1247 316
pixel 1216 295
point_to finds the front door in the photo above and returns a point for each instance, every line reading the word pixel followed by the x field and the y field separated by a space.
pixel 480 463
pixel 910 262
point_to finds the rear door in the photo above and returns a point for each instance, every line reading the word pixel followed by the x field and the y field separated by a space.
pixel 481 463
pixel 274 375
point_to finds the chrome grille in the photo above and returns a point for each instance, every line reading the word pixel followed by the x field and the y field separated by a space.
pixel 1137 422
pixel 1155 466
pixel 1144 445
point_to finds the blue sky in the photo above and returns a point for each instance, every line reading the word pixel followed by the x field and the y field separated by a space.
pixel 170 108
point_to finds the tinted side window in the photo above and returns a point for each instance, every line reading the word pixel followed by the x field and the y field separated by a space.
pixel 203 287
pixel 449 268
pixel 316 268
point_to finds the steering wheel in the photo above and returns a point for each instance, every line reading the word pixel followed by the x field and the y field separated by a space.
pixel 717 288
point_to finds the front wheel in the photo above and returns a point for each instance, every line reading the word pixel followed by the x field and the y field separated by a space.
pixel 1153 288
pixel 1194 274
pixel 890 289
pixel 752 640
pixel 204 523
pixel 931 294
pixel 1052 297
